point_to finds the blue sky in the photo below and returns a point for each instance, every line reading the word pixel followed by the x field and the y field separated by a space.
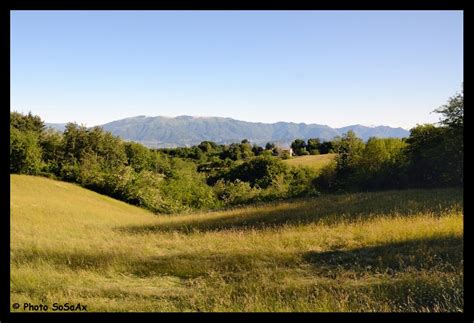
pixel 328 67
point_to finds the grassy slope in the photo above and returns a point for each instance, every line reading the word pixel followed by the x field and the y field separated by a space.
pixel 390 251
pixel 313 161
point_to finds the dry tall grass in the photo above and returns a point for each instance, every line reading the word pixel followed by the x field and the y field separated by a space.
pixel 387 251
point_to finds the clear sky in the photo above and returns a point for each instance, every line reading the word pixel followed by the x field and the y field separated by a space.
pixel 328 67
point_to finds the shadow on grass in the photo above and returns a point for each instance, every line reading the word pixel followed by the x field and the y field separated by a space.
pixel 434 284
pixel 183 265
pixel 93 260
pixel 413 275
pixel 441 253
pixel 329 209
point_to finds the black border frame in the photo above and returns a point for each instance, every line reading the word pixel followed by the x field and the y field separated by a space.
pixel 5 306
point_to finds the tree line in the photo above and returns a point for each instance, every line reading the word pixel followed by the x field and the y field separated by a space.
pixel 209 175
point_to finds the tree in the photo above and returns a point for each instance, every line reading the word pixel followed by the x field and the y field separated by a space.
pixel 75 141
pixel 27 122
pixel 380 164
pixel 453 112
pixel 349 149
pixel 426 153
pixel 25 152
pixel 257 150
pixel 261 171
pixel 233 152
pixel 51 143
pixel 298 146
pixel 207 146
pixel 436 153
pixel 246 149
pixel 138 156
pixel 313 146
pixel 326 147
pixel 453 120
pixel 270 146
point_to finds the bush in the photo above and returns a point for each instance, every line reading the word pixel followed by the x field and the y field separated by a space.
pixel 144 190
pixel 327 178
pixel 186 189
pixel 300 182
pixel 260 171
pixel 285 155
pixel 70 172
pixel 236 192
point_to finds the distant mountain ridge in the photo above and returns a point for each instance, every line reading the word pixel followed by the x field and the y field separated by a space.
pixel 161 132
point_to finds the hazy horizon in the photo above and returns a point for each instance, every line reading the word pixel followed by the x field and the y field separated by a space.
pixel 182 115
pixel 335 68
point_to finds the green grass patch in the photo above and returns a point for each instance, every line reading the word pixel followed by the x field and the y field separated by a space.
pixel 316 162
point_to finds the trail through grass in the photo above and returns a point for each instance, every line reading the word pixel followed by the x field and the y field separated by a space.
pixel 386 251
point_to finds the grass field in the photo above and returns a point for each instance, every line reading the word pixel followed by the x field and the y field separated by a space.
pixel 386 251
pixel 313 161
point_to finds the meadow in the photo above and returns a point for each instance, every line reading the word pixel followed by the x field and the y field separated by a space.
pixel 315 162
pixel 391 251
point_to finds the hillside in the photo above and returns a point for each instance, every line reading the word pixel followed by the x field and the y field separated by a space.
pixel 385 251
pixel 187 131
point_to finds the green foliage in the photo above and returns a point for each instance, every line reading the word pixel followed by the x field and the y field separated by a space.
pixel 453 112
pixel 186 189
pixel 91 172
pixel 313 146
pixel 236 151
pixel 210 175
pixel 431 156
pixel 433 160
pixel 326 147
pixel 246 149
pixel 257 150
pixel 270 146
pixel 285 155
pixel 349 149
pixel 28 122
pixel 25 152
pixel 51 143
pixel 207 146
pixel 75 142
pixel 259 171
pixel 327 179
pixel 300 182
pixel 299 147
pixel 236 192
pixel 138 156
pixel 376 165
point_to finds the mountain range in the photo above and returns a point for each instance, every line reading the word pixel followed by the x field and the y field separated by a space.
pixel 163 132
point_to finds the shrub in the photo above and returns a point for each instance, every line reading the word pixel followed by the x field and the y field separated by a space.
pixel 186 189
pixel 327 178
pixel 236 192
pixel 260 171
pixel 300 182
